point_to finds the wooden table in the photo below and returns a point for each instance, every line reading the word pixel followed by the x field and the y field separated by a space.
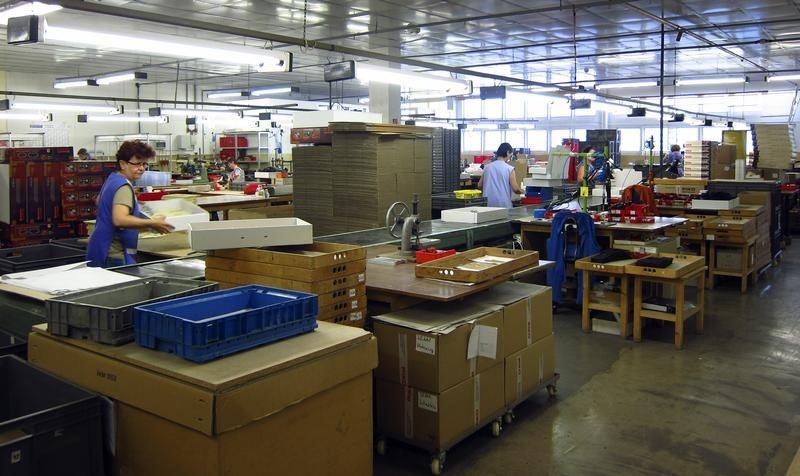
pixel 535 231
pixel 228 200
pixel 683 269
pixel 747 265
pixel 399 288
pixel 617 303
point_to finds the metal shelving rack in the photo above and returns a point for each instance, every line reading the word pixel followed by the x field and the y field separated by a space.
pixel 162 143
pixel 261 146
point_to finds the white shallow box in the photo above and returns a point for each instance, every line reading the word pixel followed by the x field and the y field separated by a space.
pixel 474 214
pixel 715 204
pixel 191 212
pixel 220 235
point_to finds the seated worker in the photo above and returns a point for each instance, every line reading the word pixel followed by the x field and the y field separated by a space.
pixel 83 154
pixel 499 179
pixel 674 162
pixel 236 173
pixel 595 171
pixel 116 234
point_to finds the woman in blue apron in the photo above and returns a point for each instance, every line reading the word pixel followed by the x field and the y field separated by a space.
pixel 115 236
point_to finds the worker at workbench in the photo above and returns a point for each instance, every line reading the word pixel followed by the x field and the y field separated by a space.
pixel 236 173
pixel 499 180
pixel 594 172
pixel 115 236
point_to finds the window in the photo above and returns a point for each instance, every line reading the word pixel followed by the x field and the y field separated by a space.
pixel 556 135
pixel 630 140
pixel 493 108
pixel 685 134
pixel 471 108
pixel 492 140
pixel 560 108
pixel 537 106
pixel 516 138
pixel 712 133
pixel 537 140
pixel 515 107
pixel 471 141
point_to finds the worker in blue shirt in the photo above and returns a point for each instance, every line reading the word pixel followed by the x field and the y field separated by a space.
pixel 499 180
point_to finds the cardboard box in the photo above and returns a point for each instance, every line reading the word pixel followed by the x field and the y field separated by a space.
pixel 347 284
pixel 528 369
pixel 221 395
pixel 723 171
pixel 474 214
pixel 662 244
pixel 715 204
pixel 178 213
pixel 756 198
pixel 428 346
pixel 328 433
pixel 216 235
pixel 437 420
pixel 729 259
pixel 527 312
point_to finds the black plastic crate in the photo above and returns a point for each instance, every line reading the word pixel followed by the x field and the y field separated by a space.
pixel 28 258
pixel 12 345
pixel 50 427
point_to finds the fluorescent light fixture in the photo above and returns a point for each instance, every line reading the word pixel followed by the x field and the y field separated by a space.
pixel 120 77
pixel 543 89
pixel 705 81
pixel 73 83
pixel 155 119
pixel 585 95
pixel 216 113
pixel 40 106
pixel 26 116
pixel 273 90
pixel 783 77
pixel 421 81
pixel 228 93
pixel 22 9
pixel 626 85
pixel 363 100
pixel 625 58
pixel 75 32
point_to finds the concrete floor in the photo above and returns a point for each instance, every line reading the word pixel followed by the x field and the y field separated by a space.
pixel 727 404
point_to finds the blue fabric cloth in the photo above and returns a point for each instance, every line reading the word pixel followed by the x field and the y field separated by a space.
pixel 557 249
pixel 105 231
pixel 497 184
pixel 674 162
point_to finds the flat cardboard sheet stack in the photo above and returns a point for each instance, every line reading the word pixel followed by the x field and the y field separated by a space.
pixel 447 369
pixel 697 159
pixel 371 166
pixel 774 145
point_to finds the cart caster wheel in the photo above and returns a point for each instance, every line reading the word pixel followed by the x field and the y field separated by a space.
pixel 437 464
pixel 496 428
pixel 552 390
pixel 508 418
pixel 380 447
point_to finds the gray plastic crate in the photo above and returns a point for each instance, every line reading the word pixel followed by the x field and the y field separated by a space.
pixel 106 314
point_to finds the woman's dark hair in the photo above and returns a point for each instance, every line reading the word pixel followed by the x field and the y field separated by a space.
pixel 504 149
pixel 232 160
pixel 588 149
pixel 135 148
pixel 82 151
pixel 675 148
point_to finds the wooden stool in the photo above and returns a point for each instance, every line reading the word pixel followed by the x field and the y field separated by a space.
pixel 618 304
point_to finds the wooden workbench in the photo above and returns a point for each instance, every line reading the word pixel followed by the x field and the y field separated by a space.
pixel 398 287
pixel 224 201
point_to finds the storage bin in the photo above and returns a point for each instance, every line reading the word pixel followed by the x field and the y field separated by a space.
pixel 51 427
pixel 29 258
pixel 106 314
pixel 11 345
pixel 202 328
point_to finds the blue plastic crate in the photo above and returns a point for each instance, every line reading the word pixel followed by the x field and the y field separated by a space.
pixel 203 327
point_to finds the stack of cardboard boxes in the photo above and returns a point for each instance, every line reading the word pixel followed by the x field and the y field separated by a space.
pixel 756 205
pixel 335 272
pixel 349 186
pixel 697 159
pixel 774 145
pixel 447 369
pixel 723 162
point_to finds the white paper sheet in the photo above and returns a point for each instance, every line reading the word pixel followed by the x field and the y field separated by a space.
pixel 482 342
pixel 58 281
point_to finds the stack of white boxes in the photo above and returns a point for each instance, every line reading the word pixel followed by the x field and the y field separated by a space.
pixel 697 159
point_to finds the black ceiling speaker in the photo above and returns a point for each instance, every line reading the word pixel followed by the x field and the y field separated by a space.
pixel 27 29
pixel 264 116
pixel 580 104
pixel 83 118
pixel 677 118
pixel 493 92
pixel 154 111
pixel 461 125
pixel 638 112
pixel 707 122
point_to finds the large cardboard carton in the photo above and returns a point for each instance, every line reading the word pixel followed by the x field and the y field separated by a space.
pixel 221 395
pixel 528 369
pixel 328 433
pixel 527 312
pixel 434 346
pixel 436 421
